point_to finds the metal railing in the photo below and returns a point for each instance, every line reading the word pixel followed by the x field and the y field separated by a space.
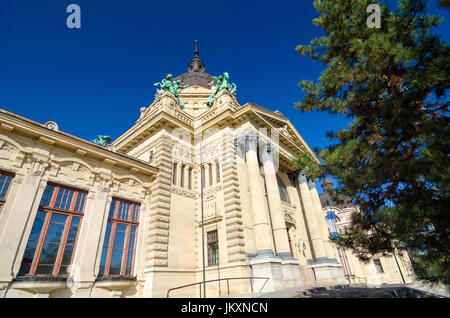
pixel 361 280
pixel 228 284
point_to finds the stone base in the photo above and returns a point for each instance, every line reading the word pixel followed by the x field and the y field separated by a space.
pixel 327 272
pixel 281 273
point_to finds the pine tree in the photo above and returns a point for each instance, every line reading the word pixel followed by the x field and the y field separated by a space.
pixel 393 160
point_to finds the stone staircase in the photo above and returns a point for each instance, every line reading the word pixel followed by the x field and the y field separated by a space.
pixel 345 291
pixel 362 291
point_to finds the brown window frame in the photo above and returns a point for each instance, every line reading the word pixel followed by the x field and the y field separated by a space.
pixel 213 259
pixel 114 220
pixel 7 174
pixel 49 211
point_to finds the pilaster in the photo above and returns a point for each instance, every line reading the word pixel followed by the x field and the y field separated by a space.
pixel 158 221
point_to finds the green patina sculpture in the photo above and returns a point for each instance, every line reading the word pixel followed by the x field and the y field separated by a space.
pixel 169 85
pixel 102 140
pixel 221 82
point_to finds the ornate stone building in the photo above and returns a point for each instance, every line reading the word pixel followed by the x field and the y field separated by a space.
pixel 86 219
pixel 390 269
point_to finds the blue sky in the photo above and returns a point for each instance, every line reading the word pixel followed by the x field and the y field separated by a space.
pixel 95 79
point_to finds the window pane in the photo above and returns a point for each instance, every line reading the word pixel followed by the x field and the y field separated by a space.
pixel 116 258
pixel 103 261
pixel 73 231
pixel 47 196
pixel 56 228
pixel 112 208
pixel 29 252
pixel 283 192
pixel 64 199
pixel 37 226
pixel 124 209
pixel 49 253
pixel 45 269
pixel 5 182
pixel 135 212
pixel 79 207
pixel 129 262
pixel 63 270
pixel 67 256
pixel 107 235
pixel 119 239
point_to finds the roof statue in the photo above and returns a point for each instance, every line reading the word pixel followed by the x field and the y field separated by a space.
pixel 168 84
pixel 102 140
pixel 221 82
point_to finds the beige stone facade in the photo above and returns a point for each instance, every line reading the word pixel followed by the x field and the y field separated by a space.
pixel 389 269
pixel 230 164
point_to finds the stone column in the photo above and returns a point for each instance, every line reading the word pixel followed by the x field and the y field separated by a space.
pixel 89 249
pixel 329 251
pixel 275 205
pixel 311 220
pixel 260 214
pixel 18 217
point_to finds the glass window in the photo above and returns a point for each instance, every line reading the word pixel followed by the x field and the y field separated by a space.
pixel 53 237
pixel 331 219
pixel 5 184
pixel 190 179
pixel 217 171
pixel 174 173
pixel 182 175
pixel 213 248
pixel 283 191
pixel 378 267
pixel 119 245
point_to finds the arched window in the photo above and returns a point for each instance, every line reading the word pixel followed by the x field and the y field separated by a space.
pixel 283 191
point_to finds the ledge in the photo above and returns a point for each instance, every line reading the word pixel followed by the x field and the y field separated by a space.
pixel 40 286
pixel 115 283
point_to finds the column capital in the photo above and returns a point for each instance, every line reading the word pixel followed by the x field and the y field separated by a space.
pixel 267 152
pixel 239 146
pixel 301 177
pixel 251 140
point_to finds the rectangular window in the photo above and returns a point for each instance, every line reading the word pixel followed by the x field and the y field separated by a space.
pixel 217 171
pixel 213 248
pixel 174 173
pixel 51 245
pixel 119 246
pixel 203 176
pixel 210 174
pixel 5 184
pixel 182 175
pixel 190 179
pixel 378 267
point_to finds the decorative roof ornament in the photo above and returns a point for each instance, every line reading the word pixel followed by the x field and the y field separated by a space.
pixel 196 65
pixel 221 82
pixel 196 74
pixel 52 125
pixel 103 141
pixel 168 84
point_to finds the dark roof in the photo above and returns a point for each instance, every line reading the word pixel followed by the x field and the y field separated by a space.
pixel 196 73
pixel 325 198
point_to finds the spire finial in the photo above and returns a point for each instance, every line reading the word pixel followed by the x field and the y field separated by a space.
pixel 196 48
